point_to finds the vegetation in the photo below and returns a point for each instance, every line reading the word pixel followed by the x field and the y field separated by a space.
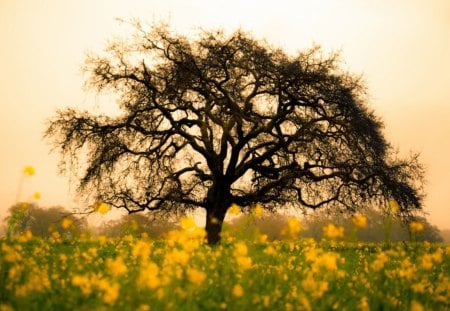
pixel 226 119
pixel 249 270
pixel 42 222
pixel 182 273
pixel 312 227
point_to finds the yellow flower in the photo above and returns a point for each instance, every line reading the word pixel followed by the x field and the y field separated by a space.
pixel 37 195
pixel 234 209
pixel 101 207
pixel 258 210
pixel 328 261
pixel 240 249
pixel 116 266
pixel 333 232
pixel 5 307
pixel 148 276
pixel 359 221
pixel 416 306
pixel 28 170
pixel 196 276
pixel 237 291
pixel 363 304
pixel 66 223
pixel 188 223
pixel 394 206
pixel 379 262
pixel 244 262
pixel 110 290
pixel 292 228
pixel 416 226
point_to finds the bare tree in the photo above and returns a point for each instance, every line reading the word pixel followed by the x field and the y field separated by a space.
pixel 226 119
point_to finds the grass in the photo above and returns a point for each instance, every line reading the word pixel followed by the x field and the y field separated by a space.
pixel 182 273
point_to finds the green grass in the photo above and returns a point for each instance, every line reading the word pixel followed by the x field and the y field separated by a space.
pixel 181 273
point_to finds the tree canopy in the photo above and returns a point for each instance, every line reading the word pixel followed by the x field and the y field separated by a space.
pixel 226 119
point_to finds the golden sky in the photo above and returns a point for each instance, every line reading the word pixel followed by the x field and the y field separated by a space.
pixel 402 49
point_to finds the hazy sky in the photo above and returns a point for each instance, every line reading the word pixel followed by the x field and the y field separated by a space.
pixel 402 49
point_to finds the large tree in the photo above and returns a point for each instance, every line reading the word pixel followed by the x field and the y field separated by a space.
pixel 226 119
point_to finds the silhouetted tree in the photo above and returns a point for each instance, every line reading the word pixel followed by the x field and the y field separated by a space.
pixel 228 119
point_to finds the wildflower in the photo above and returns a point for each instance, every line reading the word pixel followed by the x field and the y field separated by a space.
pixel 6 307
pixel 66 223
pixel 110 290
pixel 148 276
pixel 427 261
pixel 258 210
pixel 141 249
pixel 416 306
pixel 234 209
pixel 178 256
pixel 26 236
pixel 394 206
pixel 360 221
pixel 363 304
pixel 416 226
pixel 143 307
pixel 116 266
pixel 196 276
pixel 83 283
pixel 379 262
pixel 37 195
pixel 293 227
pixel 28 170
pixel 244 262
pixel 419 287
pixel 333 232
pixel 237 291
pixel 240 249
pixel 101 207
pixel 269 250
pixel 188 223
pixel 328 261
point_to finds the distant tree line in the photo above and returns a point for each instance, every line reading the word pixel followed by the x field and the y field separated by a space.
pixel 43 222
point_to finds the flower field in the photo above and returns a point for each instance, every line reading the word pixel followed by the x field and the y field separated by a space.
pixel 180 272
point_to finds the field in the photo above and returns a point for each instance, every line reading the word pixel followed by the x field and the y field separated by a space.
pixel 180 272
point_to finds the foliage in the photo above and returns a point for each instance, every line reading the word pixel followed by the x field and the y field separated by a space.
pixel 182 273
pixel 272 224
pixel 138 225
pixel 226 119
pixel 42 222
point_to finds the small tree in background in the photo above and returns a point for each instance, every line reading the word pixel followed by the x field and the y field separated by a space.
pixel 225 119
pixel 42 221
pixel 138 224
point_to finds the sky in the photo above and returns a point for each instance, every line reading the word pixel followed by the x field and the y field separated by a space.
pixel 401 49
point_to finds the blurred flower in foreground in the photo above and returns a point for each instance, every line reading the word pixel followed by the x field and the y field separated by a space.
pixel 28 170
pixel 416 226
pixel 238 291
pixel 359 221
pixel 37 195
pixel 333 232
pixel 101 207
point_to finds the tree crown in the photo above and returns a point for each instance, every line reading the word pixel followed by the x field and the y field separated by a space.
pixel 229 119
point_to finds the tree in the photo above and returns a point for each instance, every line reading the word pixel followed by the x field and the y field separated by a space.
pixel 42 221
pixel 226 119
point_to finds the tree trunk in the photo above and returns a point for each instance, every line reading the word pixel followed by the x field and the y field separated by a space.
pixel 214 221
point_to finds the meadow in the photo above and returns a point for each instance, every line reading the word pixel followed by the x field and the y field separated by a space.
pixel 181 272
